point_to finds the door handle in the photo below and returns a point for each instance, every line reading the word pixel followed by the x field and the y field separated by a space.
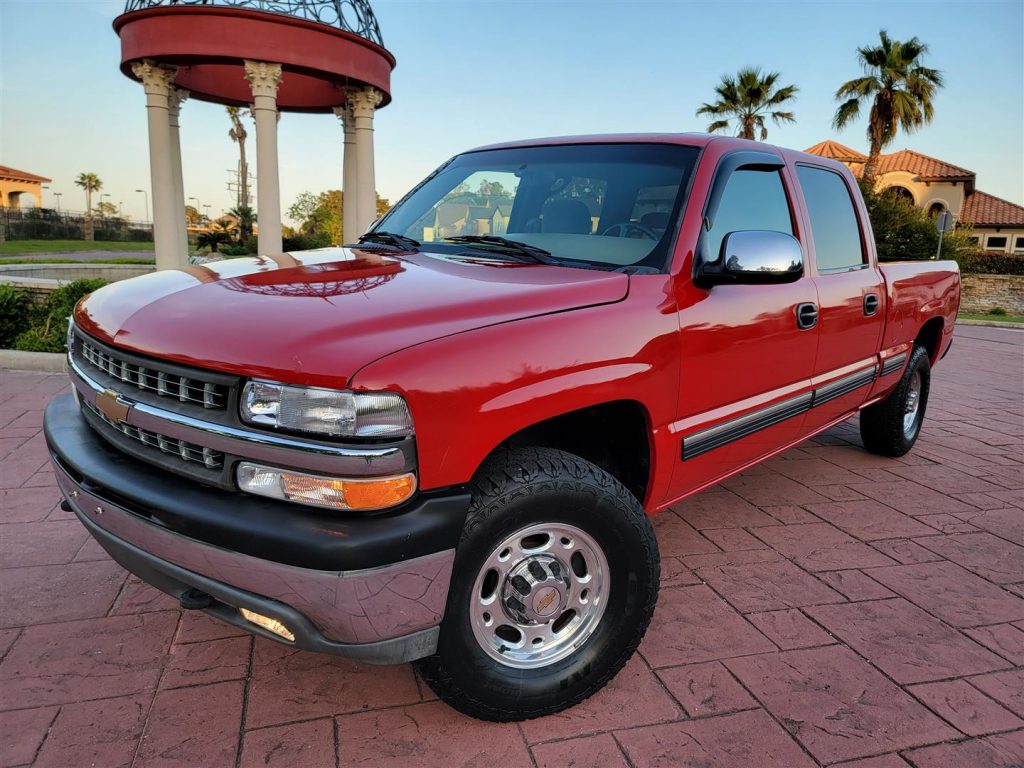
pixel 806 315
pixel 870 304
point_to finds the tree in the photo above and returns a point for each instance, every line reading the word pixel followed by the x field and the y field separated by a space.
pixel 746 100
pixel 105 210
pixel 246 217
pixel 90 182
pixel 220 234
pixel 238 135
pixel 323 213
pixel 899 88
pixel 491 189
pixel 193 218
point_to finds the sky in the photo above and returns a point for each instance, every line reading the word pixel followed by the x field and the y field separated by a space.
pixel 473 72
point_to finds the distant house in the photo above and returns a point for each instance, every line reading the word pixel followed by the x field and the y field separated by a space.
pixel 15 183
pixel 451 219
pixel 938 186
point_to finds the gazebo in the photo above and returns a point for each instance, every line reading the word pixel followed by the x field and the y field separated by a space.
pixel 274 56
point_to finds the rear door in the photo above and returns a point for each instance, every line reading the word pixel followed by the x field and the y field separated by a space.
pixel 851 295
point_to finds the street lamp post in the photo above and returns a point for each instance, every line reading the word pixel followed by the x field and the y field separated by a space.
pixel 198 208
pixel 57 195
pixel 146 195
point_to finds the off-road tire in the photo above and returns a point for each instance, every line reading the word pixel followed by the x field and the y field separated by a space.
pixel 518 488
pixel 881 425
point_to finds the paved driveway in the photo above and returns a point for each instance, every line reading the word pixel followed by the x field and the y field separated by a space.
pixel 828 606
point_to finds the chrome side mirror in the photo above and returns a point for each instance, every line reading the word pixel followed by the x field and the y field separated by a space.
pixel 752 257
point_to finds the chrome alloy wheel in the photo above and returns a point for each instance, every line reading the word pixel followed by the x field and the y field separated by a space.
pixel 539 595
pixel 912 405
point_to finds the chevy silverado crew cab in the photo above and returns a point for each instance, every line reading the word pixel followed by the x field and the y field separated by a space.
pixel 443 443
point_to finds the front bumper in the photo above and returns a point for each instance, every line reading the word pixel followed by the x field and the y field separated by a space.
pixel 370 587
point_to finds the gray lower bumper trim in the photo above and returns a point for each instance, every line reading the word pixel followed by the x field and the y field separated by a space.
pixel 175 580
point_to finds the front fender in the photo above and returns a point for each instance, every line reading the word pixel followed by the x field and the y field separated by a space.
pixel 471 391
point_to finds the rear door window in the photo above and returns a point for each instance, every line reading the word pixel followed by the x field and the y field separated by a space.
pixel 834 227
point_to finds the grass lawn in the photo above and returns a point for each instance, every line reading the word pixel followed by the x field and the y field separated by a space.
pixel 986 316
pixel 58 246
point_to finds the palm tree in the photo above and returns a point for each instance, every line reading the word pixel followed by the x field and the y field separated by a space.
pixel 245 216
pixel 747 99
pixel 238 135
pixel 90 182
pixel 899 88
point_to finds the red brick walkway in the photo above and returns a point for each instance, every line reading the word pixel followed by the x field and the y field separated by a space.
pixel 827 607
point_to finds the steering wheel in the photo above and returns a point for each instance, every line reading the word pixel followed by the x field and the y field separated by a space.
pixel 620 230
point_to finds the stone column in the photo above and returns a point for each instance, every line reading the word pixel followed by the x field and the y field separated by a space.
pixel 363 102
pixel 350 176
pixel 174 101
pixel 157 79
pixel 264 78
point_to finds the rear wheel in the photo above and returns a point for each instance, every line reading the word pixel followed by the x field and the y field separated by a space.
pixel 891 427
pixel 555 581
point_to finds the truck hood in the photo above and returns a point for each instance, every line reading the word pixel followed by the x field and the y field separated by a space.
pixel 317 317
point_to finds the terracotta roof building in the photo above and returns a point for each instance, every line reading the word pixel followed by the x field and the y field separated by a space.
pixel 937 186
pixel 15 183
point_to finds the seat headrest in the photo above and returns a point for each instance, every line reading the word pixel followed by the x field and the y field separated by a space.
pixel 569 217
pixel 655 220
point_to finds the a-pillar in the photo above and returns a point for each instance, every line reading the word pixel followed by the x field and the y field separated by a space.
pixel 264 78
pixel 350 175
pixel 157 79
pixel 174 101
pixel 363 102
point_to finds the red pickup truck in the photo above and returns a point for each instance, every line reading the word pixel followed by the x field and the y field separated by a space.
pixel 443 443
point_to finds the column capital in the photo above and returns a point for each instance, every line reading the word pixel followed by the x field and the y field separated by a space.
pixel 156 78
pixel 345 117
pixel 175 98
pixel 363 101
pixel 263 77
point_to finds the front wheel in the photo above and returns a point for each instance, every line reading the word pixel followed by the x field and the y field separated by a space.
pixel 555 581
pixel 891 427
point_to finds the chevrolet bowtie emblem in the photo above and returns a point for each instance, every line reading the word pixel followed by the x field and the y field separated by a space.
pixel 112 406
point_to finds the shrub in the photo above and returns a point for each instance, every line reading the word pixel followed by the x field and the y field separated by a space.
pixel 49 324
pixel 140 235
pixel 14 314
pixel 39 340
pixel 233 250
pixel 986 262
pixel 997 311
pixel 307 242
pixel 905 232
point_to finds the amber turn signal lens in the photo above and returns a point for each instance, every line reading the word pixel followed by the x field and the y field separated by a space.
pixel 269 624
pixel 321 491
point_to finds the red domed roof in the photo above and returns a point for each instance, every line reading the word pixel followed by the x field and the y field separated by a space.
pixel 322 45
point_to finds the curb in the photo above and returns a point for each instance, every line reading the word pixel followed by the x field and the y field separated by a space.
pixel 992 324
pixel 44 362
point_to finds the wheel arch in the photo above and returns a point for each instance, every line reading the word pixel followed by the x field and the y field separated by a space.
pixel 930 337
pixel 615 435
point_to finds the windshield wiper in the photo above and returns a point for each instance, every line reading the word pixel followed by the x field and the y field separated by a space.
pixel 390 238
pixel 531 252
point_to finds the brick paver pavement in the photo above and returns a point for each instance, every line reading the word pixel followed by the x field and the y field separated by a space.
pixel 826 608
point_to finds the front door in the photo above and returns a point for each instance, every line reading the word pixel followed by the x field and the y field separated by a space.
pixel 746 361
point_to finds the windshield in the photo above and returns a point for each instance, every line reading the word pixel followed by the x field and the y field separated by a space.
pixel 608 205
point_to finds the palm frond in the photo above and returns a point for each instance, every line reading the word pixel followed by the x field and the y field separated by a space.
pixel 718 126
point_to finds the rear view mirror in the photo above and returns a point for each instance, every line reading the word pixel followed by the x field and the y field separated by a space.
pixel 751 257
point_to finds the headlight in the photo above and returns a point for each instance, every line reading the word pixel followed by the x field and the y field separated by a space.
pixel 331 412
pixel 322 491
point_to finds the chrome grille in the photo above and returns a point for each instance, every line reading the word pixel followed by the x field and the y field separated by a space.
pixel 182 388
pixel 186 451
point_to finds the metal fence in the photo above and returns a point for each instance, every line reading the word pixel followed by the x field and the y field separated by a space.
pixel 49 224
pixel 353 16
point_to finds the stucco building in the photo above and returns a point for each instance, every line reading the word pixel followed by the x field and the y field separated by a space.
pixel 938 186
pixel 15 183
